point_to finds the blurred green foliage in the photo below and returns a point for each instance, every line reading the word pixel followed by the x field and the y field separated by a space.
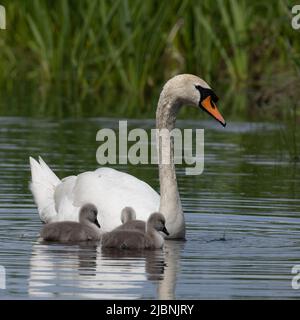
pixel 111 57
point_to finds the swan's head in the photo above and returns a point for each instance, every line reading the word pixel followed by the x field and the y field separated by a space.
pixel 157 221
pixel 89 212
pixel 191 90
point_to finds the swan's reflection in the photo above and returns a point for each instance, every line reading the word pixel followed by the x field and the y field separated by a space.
pixel 172 254
pixel 87 271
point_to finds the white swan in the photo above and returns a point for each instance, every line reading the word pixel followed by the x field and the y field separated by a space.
pixel 111 190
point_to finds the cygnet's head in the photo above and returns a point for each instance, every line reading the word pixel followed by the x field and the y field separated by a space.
pixel 158 222
pixel 188 89
pixel 127 214
pixel 88 212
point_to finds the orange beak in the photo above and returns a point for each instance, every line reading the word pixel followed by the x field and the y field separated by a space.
pixel 210 107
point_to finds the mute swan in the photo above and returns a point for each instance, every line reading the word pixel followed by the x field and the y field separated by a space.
pixel 128 218
pixel 111 190
pixel 135 239
pixel 86 229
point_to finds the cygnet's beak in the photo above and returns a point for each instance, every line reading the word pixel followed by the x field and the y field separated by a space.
pixel 97 223
pixel 210 107
pixel 164 230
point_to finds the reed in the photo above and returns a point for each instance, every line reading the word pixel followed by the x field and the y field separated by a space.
pixel 110 58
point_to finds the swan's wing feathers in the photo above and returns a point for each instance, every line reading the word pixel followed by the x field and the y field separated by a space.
pixel 51 176
pixel 63 197
pixel 66 211
pixel 42 185
pixel 86 189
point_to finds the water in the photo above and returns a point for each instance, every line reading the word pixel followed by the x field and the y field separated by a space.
pixel 242 214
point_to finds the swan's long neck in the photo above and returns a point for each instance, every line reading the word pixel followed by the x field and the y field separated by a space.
pixel 170 204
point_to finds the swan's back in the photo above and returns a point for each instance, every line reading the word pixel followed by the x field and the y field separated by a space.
pixel 111 191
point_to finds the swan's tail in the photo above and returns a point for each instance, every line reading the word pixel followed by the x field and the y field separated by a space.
pixel 42 185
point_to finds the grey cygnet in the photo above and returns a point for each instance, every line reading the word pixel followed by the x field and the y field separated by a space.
pixel 129 222
pixel 135 239
pixel 86 229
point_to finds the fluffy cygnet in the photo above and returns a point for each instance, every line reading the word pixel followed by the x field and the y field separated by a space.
pixel 135 239
pixel 129 222
pixel 86 229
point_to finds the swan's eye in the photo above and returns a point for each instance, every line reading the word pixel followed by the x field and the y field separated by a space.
pixel 214 97
pixel 206 92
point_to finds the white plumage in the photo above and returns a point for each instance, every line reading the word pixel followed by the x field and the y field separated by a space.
pixel 108 189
